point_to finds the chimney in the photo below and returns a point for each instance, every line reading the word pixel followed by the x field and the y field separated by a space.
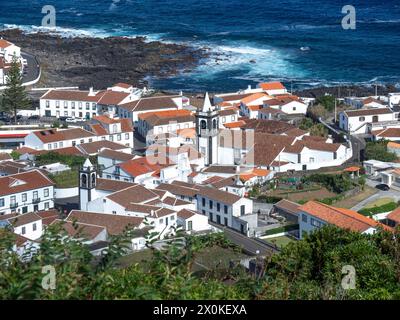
pixel 91 92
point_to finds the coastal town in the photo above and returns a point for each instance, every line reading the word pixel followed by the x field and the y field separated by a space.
pixel 263 166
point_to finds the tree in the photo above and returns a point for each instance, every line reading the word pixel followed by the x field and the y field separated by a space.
pixel 319 130
pixel 327 101
pixel 14 96
pixel 377 150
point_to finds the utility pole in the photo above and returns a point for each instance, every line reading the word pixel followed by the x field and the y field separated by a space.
pixel 335 109
pixel 376 90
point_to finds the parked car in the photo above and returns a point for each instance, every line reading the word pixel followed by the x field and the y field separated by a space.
pixel 34 117
pixel 74 120
pixel 383 187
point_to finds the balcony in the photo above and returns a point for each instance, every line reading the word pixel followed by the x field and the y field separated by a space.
pixel 36 200
pixel 13 205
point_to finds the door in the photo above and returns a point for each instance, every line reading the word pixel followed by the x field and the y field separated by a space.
pixel 242 228
pixel 36 207
pixel 218 219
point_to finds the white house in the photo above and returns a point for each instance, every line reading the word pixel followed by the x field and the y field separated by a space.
pixel 224 208
pixel 28 225
pixel 159 122
pixel 192 222
pixel 26 192
pixel 358 121
pixel 314 215
pixel 8 50
pixel 51 139
pixel 86 104
pixel 131 110
pixel 273 88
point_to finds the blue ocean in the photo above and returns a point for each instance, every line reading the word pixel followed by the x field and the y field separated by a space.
pixel 301 42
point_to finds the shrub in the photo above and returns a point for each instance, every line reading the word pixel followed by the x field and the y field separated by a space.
pixel 380 209
pixel 269 199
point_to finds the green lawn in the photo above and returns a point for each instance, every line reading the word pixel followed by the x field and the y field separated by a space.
pixel 379 202
pixel 281 241
pixel 66 179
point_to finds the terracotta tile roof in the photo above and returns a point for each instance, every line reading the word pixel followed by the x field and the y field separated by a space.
pixel 273 102
pixel 48 216
pixel 253 97
pixel 228 112
pixel 113 185
pixel 112 97
pixel 295 132
pixel 394 215
pixel 143 165
pixel 72 95
pixel 388 133
pixel 151 210
pixel 218 195
pixel 112 154
pixel 343 218
pixel 367 112
pixel 272 85
pixel 98 129
pixel 314 138
pixel 53 135
pixel 151 103
pixel 123 85
pixel 225 182
pixel 23 219
pixel 21 240
pixel 157 150
pixel 393 145
pixel 269 110
pixel 267 126
pixel 288 206
pixel 255 108
pixel 4 43
pixel 24 150
pixel 370 100
pixel 80 230
pixel 212 179
pixel 135 194
pixel 92 148
pixel 352 169
pixel 186 214
pixel 189 133
pixel 172 201
pixel 5 156
pixel 234 97
pixel 114 224
pixel 179 190
pixel 22 182
pixel 165 117
pixel 233 125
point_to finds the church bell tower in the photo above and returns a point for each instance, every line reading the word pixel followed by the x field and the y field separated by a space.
pixel 87 184
pixel 207 126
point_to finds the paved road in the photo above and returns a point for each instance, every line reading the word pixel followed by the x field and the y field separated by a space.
pixel 32 70
pixel 252 246
pixel 391 193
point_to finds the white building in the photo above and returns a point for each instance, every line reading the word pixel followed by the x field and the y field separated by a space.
pixel 26 192
pixel 224 208
pixel 364 120
pixel 192 222
pixel 86 104
pixel 8 50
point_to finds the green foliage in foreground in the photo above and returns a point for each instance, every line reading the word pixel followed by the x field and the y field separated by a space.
pixel 387 207
pixel 306 269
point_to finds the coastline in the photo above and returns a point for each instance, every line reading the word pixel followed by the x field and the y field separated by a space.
pixel 100 62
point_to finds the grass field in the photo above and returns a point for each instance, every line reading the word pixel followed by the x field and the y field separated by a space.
pixel 350 202
pixel 379 202
pixel 66 179
pixel 281 241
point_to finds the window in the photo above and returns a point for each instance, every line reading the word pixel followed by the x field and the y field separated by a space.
pixel 24 197
pixel 126 136
pixel 25 209
pixel 34 227
pixel 312 160
pixel 46 192
pixel 172 218
pixel 223 119
pixel 361 119
pixel 35 195
pixel 46 206
pixel 1 202
pixel 119 137
pixel 225 209
pixel 72 105
pixel 61 144
pixel 57 104
pixel 210 204
pixel 218 207
pixel 186 125
pixel 203 211
pixel 55 145
pixel 47 104
pixel 203 202
pixel 294 108
pixel 65 104
pixel 304 218
pixel 190 225
pixel 233 118
pixel 23 230
pixel 161 221
pixel 66 113
pixel 82 141
pixel 242 210
pixel 93 106
pixel 87 106
pixel 90 140
pixel 80 105
pixel 49 146
pixel 12 200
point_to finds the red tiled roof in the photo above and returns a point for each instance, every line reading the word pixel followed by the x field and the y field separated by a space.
pixel 53 135
pixel 24 181
pixel 4 43
pixel 343 218
pixel 143 165
pixel 272 85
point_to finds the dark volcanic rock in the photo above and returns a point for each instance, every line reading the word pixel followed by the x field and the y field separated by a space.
pixel 96 62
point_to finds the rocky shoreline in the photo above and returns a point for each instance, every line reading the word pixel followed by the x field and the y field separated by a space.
pixel 101 62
